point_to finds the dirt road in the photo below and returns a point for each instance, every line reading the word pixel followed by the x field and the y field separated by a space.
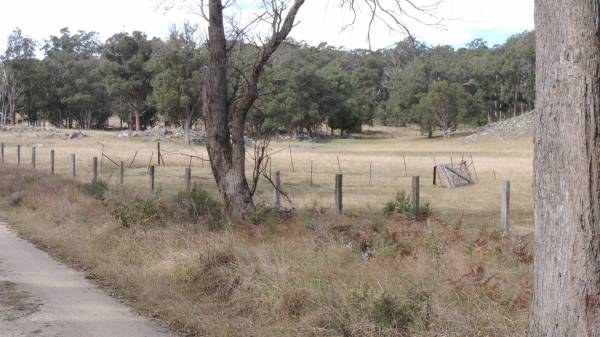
pixel 41 297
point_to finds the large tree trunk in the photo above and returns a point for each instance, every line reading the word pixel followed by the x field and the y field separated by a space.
pixel 516 98
pixel 566 289
pixel 187 126
pixel 226 148
pixel 227 155
pixel 136 117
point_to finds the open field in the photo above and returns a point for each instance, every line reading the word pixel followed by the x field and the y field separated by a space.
pixel 477 205
pixel 300 274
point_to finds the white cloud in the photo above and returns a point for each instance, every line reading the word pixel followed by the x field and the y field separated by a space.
pixel 320 20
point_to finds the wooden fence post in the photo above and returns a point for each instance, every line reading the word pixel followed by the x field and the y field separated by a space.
pixel 33 157
pixel 18 155
pixel 121 173
pixel 338 194
pixel 405 171
pixel 505 206
pixel 2 152
pixel 311 173
pixel 291 158
pixel 151 175
pixel 73 168
pixel 370 172
pixel 277 190
pixel 94 170
pixel 415 195
pixel 51 161
pixel 158 158
pixel 188 178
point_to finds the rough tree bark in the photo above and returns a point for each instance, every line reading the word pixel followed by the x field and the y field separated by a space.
pixel 226 147
pixel 566 289
pixel 227 168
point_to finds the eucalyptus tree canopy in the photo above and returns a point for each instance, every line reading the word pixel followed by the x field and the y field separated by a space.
pixel 130 74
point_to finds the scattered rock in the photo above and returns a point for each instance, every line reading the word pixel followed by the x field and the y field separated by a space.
pixel 76 135
pixel 160 133
pixel 506 129
pixel 306 137
pixel 150 139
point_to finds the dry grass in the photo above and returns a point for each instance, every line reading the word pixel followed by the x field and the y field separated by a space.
pixel 299 275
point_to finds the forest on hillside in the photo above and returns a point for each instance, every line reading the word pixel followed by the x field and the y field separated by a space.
pixel 74 80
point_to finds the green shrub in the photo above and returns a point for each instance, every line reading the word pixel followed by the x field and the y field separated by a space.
pixel 402 205
pixel 143 212
pixel 198 206
pixel 259 216
pixel 149 210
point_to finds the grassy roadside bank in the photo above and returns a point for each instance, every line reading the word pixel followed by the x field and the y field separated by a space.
pixel 281 274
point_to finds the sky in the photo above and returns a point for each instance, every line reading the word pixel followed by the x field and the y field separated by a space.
pixel 318 21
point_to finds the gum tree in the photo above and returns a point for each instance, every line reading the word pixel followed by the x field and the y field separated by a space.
pixel 566 286
pixel 226 106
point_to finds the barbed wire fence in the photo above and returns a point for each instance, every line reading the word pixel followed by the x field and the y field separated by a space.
pixel 195 165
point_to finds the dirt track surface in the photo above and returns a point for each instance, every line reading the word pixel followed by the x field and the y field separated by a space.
pixel 43 298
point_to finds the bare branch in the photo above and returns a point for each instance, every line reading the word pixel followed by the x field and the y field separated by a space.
pixel 393 14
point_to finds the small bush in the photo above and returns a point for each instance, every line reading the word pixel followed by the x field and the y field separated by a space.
pixel 259 216
pixel 198 206
pixel 402 205
pixel 98 189
pixel 389 313
pixel 149 209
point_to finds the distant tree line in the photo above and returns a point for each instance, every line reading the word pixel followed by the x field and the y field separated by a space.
pixel 80 82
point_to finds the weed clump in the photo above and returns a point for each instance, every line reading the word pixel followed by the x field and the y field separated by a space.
pixel 215 274
pixel 98 189
pixel 143 212
pixel 294 303
pixel 388 312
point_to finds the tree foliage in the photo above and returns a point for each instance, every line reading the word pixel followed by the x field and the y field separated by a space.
pixel 80 82
pixel 178 64
pixel 130 76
